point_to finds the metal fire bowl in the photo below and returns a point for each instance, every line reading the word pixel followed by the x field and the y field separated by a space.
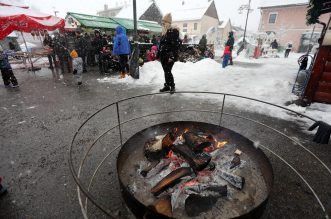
pixel 136 143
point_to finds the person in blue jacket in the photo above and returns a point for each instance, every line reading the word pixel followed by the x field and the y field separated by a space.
pixel 6 70
pixel 122 49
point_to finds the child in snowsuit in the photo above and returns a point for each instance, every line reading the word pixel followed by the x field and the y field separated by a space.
pixel 6 70
pixel 77 66
pixel 151 55
pixel 226 56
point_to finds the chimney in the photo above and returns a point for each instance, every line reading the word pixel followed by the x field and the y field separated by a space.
pixel 105 7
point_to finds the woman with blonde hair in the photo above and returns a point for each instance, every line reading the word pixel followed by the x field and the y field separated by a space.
pixel 168 52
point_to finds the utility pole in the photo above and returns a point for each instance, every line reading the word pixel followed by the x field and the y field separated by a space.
pixel 248 8
pixel 134 65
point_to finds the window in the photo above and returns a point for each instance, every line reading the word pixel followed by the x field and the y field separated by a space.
pixel 195 26
pixel 184 24
pixel 272 18
pixel 184 30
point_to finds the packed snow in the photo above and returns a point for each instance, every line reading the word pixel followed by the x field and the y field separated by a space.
pixel 266 79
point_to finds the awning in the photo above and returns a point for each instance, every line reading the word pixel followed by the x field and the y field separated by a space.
pixel 26 20
pixel 91 21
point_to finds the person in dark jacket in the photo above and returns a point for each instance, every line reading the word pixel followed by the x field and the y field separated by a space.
pixel 48 43
pixel 81 48
pixel 61 51
pixel 203 44
pixel 98 43
pixel 6 70
pixel 168 52
pixel 122 49
pixel 274 44
pixel 230 43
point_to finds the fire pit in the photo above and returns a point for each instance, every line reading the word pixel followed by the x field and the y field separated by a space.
pixel 175 161
pixel 193 170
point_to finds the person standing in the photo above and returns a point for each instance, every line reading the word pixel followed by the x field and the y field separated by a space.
pixel 61 51
pixel 203 44
pixel 48 43
pixel 230 43
pixel 274 44
pixel 122 49
pixel 226 56
pixel 98 43
pixel 168 52
pixel 77 66
pixel 154 40
pixel 288 49
pixel 6 70
pixel 81 48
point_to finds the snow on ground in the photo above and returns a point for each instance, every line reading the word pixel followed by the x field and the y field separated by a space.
pixel 267 79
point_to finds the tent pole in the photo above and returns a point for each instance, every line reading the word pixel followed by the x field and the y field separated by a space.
pixel 26 47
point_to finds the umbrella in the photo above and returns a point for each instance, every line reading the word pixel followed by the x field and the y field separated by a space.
pixel 25 20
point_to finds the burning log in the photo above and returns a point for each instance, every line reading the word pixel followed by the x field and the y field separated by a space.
pixel 196 204
pixel 153 148
pixel 196 142
pixel 163 206
pixel 171 179
pixel 196 161
pixel 236 181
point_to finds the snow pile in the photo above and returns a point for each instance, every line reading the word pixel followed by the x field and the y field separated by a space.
pixel 266 79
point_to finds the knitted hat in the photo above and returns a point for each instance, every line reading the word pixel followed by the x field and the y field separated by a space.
pixel 167 18
pixel 73 54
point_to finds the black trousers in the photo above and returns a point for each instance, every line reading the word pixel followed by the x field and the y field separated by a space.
pixel 167 67
pixel 287 52
pixel 124 63
pixel 51 60
pixel 8 77
pixel 64 63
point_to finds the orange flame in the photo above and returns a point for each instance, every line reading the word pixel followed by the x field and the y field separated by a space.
pixel 191 183
pixel 186 130
pixel 170 154
pixel 221 144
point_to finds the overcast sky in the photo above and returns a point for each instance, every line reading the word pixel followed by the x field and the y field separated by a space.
pixel 226 8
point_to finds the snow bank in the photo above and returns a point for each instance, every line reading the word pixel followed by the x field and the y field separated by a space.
pixel 268 79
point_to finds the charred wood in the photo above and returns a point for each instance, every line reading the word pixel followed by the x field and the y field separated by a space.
pixel 163 164
pixel 196 204
pixel 171 179
pixel 206 190
pixel 235 162
pixel 196 161
pixel 234 180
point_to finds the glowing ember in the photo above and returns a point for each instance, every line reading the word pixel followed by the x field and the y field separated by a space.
pixel 186 130
pixel 170 153
pixel 221 144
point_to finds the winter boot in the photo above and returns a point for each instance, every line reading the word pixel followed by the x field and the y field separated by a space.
pixel 122 75
pixel 172 89
pixel 165 88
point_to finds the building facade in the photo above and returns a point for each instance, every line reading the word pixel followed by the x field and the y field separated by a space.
pixel 196 21
pixel 288 22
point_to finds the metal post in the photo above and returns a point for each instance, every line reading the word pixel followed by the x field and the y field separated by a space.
pixel 119 123
pixel 135 37
pixel 26 47
pixel 134 65
pixel 311 36
pixel 220 123
pixel 248 9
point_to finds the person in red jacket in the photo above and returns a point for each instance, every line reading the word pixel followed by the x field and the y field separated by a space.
pixel 226 56
pixel 151 55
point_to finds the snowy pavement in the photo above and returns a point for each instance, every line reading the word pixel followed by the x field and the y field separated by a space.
pixel 267 79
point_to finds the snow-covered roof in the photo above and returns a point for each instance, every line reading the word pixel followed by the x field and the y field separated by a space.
pixel 127 10
pixel 272 3
pixel 190 10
